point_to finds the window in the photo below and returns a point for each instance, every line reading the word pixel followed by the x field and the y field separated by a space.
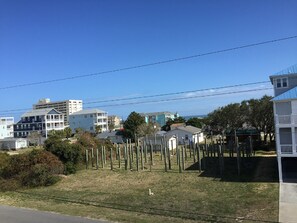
pixel 285 82
pixel 282 82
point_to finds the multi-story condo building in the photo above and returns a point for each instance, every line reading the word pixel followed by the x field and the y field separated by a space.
pixel 6 127
pixel 114 121
pixel 159 117
pixel 285 117
pixel 41 121
pixel 67 107
pixel 88 120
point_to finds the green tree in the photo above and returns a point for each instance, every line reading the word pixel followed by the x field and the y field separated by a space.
pixel 98 129
pixel 132 123
pixel 57 133
pixel 69 154
pixel 229 117
pixel 147 129
pixel 68 132
pixel 170 121
pixel 196 122
pixel 261 116
pixel 35 138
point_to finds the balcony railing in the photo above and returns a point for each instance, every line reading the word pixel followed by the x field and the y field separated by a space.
pixel 286 119
pixel 286 149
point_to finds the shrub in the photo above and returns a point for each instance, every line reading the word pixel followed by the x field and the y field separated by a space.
pixel 69 154
pixel 38 168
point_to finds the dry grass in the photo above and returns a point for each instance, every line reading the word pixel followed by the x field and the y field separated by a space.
pixel 122 196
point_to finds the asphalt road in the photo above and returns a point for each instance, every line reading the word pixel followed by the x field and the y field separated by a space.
pixel 21 215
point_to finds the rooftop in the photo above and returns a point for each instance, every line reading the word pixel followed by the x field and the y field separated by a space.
pixel 290 71
pixel 290 94
pixel 157 113
pixel 88 111
pixel 39 112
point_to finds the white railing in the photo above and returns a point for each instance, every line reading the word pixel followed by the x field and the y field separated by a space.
pixel 286 149
pixel 286 119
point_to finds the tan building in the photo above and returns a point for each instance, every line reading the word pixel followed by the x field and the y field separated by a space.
pixel 115 121
pixel 67 107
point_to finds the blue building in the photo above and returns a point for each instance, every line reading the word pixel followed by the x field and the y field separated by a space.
pixel 88 120
pixel 159 117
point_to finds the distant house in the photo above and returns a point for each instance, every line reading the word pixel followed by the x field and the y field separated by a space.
pixel 13 143
pixel 6 127
pixel 285 115
pixel 88 120
pixel 114 136
pixel 187 134
pixel 159 117
pixel 67 107
pixel 41 121
pixel 114 121
pixel 160 139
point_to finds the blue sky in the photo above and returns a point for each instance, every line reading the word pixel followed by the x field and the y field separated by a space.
pixel 46 40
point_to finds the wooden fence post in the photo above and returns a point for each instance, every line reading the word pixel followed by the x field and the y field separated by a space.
pixel 169 158
pixel 198 154
pixel 165 157
pixel 142 161
pixel 119 156
pixel 126 157
pixel 137 158
pixel 97 159
pixel 87 159
pixel 183 158
pixel 111 163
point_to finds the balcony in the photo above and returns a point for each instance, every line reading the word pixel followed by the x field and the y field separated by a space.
pixel 286 119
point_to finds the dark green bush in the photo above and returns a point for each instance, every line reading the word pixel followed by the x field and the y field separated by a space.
pixel 38 168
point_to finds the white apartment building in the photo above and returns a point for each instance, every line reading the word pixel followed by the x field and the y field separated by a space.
pixel 88 120
pixel 40 120
pixel 67 107
pixel 6 127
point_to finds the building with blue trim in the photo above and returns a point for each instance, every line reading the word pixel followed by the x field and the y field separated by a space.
pixel 285 116
pixel 159 117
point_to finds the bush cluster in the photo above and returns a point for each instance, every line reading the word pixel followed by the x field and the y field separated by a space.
pixel 37 168
pixel 70 154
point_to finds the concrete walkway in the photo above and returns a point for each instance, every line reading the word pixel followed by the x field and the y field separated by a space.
pixel 288 203
pixel 21 215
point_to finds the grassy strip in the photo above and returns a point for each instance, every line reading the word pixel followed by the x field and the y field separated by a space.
pixel 121 195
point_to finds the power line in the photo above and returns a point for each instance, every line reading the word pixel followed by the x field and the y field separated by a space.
pixel 184 98
pixel 176 99
pixel 175 93
pixel 149 64
pixel 150 96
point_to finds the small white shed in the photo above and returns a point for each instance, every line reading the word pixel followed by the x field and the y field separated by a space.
pixel 13 143
pixel 186 134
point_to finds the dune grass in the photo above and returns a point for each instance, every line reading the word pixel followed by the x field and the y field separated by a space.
pixel 123 196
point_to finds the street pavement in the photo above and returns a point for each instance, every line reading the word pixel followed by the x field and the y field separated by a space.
pixel 22 215
pixel 288 203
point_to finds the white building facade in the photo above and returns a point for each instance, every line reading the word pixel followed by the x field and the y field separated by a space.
pixel 67 107
pixel 285 116
pixel 42 121
pixel 87 120
pixel 6 127
pixel 187 134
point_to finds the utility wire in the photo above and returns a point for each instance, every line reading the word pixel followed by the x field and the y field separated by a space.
pixel 149 64
pixel 176 99
pixel 184 98
pixel 174 93
pixel 152 96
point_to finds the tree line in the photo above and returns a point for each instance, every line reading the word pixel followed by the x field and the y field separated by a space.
pixel 253 113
